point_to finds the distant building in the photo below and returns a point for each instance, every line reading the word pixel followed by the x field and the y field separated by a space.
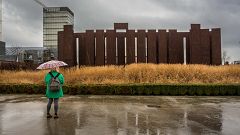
pixel 23 54
pixel 113 47
pixel 54 19
pixel 236 62
pixel 2 44
pixel 2 48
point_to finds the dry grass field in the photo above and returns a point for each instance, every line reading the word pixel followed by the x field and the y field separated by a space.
pixel 135 73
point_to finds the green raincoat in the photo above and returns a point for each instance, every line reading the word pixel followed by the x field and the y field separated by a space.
pixel 49 93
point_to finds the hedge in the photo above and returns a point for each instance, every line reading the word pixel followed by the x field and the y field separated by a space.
pixel 129 89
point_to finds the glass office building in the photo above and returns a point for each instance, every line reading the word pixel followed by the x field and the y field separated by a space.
pixel 54 19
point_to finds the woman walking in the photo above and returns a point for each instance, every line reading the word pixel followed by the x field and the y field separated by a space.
pixel 54 81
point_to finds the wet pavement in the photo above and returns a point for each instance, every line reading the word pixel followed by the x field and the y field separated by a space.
pixel 120 115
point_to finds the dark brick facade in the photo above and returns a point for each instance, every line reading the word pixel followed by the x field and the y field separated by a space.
pixel 67 46
pixel 110 47
pixel 100 48
pixel 121 48
pixel 151 46
pixel 216 46
pixel 175 47
pixel 141 46
pixel 130 45
pixel 162 46
pixel 90 48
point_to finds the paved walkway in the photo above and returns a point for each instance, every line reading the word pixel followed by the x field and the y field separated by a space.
pixel 120 115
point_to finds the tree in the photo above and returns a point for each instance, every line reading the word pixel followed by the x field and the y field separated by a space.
pixel 225 57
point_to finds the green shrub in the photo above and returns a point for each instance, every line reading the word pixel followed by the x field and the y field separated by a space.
pixel 128 89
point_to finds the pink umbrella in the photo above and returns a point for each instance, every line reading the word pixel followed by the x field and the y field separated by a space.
pixel 52 64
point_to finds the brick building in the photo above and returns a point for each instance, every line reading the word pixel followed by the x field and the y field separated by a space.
pixel 111 47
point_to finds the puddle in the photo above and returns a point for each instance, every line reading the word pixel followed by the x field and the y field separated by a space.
pixel 120 115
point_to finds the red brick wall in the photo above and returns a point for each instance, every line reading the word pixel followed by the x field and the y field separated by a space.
pixel 141 43
pixel 202 46
pixel 130 37
pixel 111 47
pixel 66 46
pixel 100 48
pixel 162 46
pixel 152 46
pixel 216 46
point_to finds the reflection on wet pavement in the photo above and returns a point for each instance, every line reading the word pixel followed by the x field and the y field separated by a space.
pixel 120 115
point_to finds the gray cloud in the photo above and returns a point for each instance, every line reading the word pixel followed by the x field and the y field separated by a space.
pixel 23 23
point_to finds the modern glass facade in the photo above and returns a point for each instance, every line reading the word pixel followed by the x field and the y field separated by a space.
pixel 54 19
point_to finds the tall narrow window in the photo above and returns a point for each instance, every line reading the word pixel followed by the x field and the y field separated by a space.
pixel 116 50
pixel 77 50
pixel 105 48
pixel 136 50
pixel 146 50
pixel 185 50
pixel 125 50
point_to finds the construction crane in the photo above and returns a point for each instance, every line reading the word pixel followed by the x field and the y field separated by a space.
pixel 40 3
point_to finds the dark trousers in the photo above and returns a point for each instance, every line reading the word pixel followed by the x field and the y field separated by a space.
pixel 50 100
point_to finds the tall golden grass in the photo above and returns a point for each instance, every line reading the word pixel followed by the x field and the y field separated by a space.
pixel 135 73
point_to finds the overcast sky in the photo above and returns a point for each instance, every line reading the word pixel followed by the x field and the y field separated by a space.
pixel 22 19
